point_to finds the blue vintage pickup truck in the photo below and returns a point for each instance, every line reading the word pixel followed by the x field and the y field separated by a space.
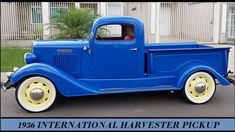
pixel 117 63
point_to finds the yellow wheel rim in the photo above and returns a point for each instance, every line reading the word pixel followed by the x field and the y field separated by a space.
pixel 35 85
pixel 193 85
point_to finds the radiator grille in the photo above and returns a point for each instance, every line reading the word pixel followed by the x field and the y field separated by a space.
pixel 66 61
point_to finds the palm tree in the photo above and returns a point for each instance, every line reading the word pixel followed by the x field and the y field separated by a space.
pixel 73 22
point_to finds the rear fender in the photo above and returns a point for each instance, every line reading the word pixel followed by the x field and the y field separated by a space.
pixel 66 84
pixel 186 72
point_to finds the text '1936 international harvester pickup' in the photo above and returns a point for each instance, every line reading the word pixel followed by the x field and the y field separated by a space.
pixel 117 63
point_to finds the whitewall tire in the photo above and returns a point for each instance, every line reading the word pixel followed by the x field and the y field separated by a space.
pixel 199 88
pixel 36 94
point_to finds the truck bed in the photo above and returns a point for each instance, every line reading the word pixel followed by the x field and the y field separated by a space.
pixel 163 59
pixel 174 45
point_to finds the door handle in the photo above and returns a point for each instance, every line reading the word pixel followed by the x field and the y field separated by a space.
pixel 133 49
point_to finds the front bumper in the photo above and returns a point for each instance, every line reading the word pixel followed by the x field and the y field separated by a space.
pixel 7 84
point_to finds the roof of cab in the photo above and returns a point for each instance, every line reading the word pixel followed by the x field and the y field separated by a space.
pixel 117 18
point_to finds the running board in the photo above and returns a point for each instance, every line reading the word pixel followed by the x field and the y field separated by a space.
pixel 137 89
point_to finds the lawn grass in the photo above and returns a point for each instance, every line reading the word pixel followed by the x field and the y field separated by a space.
pixel 12 57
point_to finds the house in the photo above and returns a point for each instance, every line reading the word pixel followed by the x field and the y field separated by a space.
pixel 206 22
pixel 209 22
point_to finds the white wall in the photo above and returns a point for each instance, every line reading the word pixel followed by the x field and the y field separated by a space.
pixel 115 9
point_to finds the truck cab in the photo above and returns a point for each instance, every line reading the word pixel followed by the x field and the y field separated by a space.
pixel 112 53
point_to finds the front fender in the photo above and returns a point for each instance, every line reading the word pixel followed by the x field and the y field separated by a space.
pixel 186 72
pixel 66 84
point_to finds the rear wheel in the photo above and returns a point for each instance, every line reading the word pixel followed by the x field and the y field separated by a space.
pixel 199 88
pixel 36 94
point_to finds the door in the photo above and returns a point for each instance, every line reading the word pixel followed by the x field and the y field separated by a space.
pixel 114 55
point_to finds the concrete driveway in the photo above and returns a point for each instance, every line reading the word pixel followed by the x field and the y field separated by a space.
pixel 148 104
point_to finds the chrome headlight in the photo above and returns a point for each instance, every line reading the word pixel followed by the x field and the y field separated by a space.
pixel 15 69
pixel 29 58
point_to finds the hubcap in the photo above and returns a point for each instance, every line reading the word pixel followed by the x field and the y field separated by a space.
pixel 36 93
pixel 200 87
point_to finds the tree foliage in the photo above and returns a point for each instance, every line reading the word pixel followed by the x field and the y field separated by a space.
pixel 73 22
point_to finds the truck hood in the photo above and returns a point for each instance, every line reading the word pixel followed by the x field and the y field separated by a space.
pixel 64 54
pixel 60 43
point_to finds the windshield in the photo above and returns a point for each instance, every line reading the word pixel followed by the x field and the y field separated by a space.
pixel 90 35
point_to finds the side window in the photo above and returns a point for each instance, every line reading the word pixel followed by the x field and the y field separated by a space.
pixel 109 31
pixel 115 32
pixel 36 13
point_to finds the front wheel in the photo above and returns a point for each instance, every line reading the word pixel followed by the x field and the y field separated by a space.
pixel 199 88
pixel 36 94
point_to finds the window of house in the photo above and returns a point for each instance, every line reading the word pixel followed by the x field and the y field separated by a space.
pixel 115 32
pixel 231 21
pixel 36 9
pixel 90 5
pixel 56 7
